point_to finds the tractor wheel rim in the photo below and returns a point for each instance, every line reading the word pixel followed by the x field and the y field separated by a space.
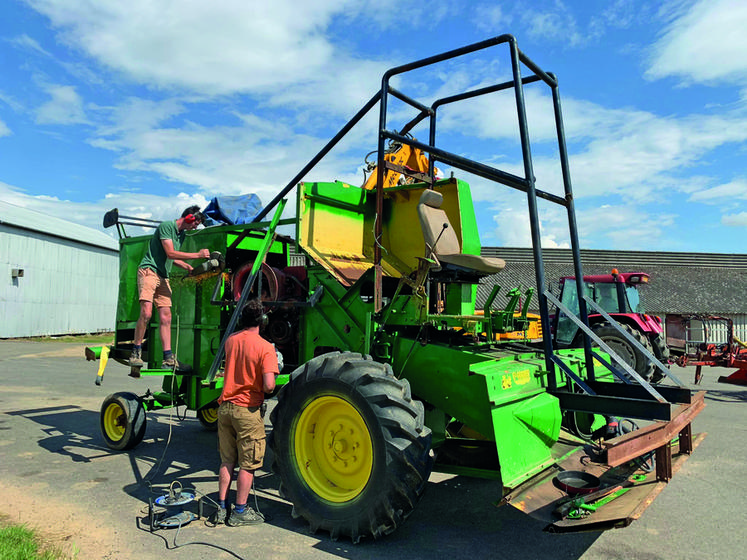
pixel 209 414
pixel 333 449
pixel 115 422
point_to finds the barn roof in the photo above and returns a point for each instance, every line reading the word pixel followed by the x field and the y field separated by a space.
pixel 683 283
pixel 45 224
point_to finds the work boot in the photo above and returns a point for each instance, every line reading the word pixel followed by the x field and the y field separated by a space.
pixel 136 359
pixel 246 517
pixel 173 364
pixel 219 517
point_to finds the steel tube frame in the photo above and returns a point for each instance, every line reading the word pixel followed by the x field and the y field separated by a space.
pixel 526 184
pixel 604 346
pixel 318 157
pixel 480 169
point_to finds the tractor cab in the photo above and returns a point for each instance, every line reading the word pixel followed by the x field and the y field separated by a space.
pixel 616 293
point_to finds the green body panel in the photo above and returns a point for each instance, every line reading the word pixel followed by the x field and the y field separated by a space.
pixel 197 323
pixel 336 224
pixel 339 321
pixel 499 394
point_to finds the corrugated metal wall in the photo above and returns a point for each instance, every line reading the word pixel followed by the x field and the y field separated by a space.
pixel 66 288
pixel 716 332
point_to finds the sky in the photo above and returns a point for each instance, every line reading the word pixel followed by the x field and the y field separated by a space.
pixel 150 107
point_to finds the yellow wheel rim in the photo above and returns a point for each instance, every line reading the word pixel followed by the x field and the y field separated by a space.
pixel 333 449
pixel 115 422
pixel 209 414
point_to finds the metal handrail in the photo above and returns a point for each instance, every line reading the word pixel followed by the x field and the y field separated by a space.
pixel 604 346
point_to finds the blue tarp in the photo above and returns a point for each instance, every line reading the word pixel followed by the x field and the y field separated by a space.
pixel 232 210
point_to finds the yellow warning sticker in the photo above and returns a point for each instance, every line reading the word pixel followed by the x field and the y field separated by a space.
pixel 522 377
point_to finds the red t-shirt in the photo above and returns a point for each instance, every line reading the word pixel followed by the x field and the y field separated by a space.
pixel 248 358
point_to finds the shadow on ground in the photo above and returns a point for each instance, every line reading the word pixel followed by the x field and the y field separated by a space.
pixel 457 517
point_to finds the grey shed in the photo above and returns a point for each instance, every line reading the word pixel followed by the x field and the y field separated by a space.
pixel 56 277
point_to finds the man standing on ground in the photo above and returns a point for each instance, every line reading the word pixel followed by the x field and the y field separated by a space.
pixel 251 367
pixel 153 282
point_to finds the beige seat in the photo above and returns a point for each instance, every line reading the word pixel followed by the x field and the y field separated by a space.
pixel 442 242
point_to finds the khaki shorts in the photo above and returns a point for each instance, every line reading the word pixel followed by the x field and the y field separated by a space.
pixel 152 287
pixel 241 436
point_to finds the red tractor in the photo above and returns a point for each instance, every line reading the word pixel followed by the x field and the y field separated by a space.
pixel 617 293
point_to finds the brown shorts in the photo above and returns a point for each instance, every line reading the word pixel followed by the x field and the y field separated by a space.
pixel 152 287
pixel 241 436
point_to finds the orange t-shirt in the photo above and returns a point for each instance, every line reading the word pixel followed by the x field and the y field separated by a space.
pixel 248 358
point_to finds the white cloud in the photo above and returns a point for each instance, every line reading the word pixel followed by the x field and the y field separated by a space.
pixel 553 24
pixel 735 220
pixel 65 107
pixel 623 227
pixel 250 153
pixel 705 43
pixel 283 53
pixel 4 130
pixel 637 153
pixel 489 17
pixel 214 48
pixel 91 213
pixel 510 217
pixel 722 193
pixel 612 151
pixel 27 43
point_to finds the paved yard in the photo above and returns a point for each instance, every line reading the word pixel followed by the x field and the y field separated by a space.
pixel 57 474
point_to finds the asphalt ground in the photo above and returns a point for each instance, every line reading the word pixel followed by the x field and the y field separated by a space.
pixel 57 474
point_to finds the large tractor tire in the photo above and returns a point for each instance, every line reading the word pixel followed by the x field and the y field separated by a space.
pixel 662 353
pixel 208 416
pixel 625 350
pixel 122 421
pixel 350 445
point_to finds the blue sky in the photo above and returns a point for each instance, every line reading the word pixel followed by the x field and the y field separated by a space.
pixel 153 106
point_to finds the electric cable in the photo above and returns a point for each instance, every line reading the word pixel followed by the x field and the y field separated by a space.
pixel 158 464
pixel 147 480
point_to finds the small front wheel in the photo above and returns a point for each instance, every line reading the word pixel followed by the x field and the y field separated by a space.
pixel 122 421
pixel 208 416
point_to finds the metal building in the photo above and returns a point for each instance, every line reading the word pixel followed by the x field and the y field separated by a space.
pixel 57 277
pixel 681 283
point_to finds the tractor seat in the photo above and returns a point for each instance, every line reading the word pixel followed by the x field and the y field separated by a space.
pixel 442 243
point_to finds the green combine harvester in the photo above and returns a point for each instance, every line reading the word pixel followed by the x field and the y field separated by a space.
pixel 389 372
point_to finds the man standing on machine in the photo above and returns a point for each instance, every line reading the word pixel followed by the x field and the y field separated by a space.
pixel 153 282
pixel 251 367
